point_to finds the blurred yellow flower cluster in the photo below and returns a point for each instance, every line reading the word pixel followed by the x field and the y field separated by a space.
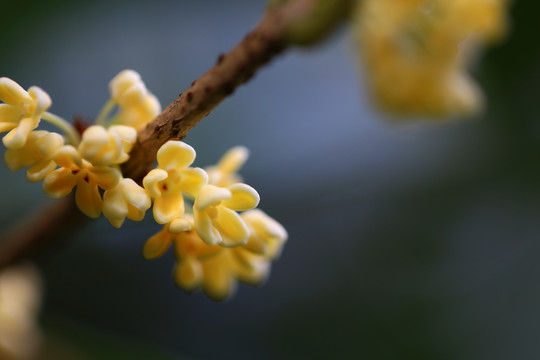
pixel 416 52
pixel 20 301
pixel 214 244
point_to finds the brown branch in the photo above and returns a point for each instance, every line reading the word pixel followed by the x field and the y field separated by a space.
pixel 231 70
pixel 269 38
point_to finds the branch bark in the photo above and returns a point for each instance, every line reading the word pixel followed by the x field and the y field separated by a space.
pixel 268 39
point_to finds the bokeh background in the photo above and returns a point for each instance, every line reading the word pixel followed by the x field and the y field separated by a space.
pixel 408 240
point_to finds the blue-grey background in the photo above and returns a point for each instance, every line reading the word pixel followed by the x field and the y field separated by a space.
pixel 408 240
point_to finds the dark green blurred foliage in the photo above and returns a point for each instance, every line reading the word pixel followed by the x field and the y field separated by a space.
pixel 412 241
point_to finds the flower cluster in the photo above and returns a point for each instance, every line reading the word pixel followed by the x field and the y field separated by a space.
pixel 214 246
pixel 417 51
pixel 199 209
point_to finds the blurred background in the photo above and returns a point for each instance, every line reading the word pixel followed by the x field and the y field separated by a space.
pixel 407 240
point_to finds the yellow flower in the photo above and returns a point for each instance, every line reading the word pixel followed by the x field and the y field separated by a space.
pixel 103 146
pixel 416 51
pixel 21 111
pixel 172 178
pixel 266 239
pixel 210 267
pixel 225 172
pixel 215 214
pixel 266 235
pixel 39 151
pixel 127 88
pixel 90 166
pixel 138 107
pixel 20 300
pixel 214 268
pixel 139 115
pixel 127 199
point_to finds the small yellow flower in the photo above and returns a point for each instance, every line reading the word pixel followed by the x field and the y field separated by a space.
pixel 172 178
pixel 110 146
pixel 225 172
pixel 21 111
pixel 137 106
pixel 91 166
pixel 266 235
pixel 215 214
pixel 139 115
pixel 266 239
pixel 39 151
pixel 127 88
pixel 127 199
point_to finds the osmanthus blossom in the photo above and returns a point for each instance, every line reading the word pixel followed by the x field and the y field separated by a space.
pixel 213 268
pixel 91 166
pixel 127 199
pixel 266 240
pixel 137 106
pixel 416 52
pixel 266 235
pixel 141 114
pixel 171 179
pixel 224 173
pixel 21 112
pixel 127 88
pixel 215 213
pixel 38 152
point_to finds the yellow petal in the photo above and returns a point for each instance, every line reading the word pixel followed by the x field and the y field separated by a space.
pixel 133 96
pixel 192 180
pixel 99 147
pixel 123 81
pixel 40 170
pixel 49 144
pixel 88 199
pixel 211 195
pixel 151 182
pixel 134 213
pixel 169 206
pixel 68 157
pixel 140 115
pixel 115 207
pixel 18 158
pixel 60 182
pixel 179 225
pixel 217 283
pixel 264 224
pixel 243 197
pixel 127 134
pixel 233 160
pixel 16 138
pixel 9 117
pixel 136 195
pixel 188 274
pixel 157 245
pixel 175 155
pixel 232 228
pixel 41 99
pixel 206 230
pixel 12 93
pixel 251 269
pixel 106 177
